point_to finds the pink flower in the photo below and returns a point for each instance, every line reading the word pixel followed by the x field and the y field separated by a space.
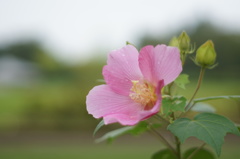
pixel 133 83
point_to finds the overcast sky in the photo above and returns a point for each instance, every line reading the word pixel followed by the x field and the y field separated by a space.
pixel 75 28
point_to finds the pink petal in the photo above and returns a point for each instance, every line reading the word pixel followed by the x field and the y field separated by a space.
pixel 121 118
pixel 161 62
pixel 122 67
pixel 102 101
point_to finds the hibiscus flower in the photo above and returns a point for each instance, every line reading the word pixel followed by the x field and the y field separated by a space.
pixel 133 83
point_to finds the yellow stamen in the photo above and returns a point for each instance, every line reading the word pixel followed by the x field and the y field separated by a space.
pixel 143 93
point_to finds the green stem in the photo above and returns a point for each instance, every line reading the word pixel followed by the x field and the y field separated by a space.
pixel 178 147
pixel 196 90
pixel 183 57
pixel 164 141
pixel 194 152
pixel 178 143
pixel 162 118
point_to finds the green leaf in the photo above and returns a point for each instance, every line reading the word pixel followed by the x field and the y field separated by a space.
pixel 182 80
pixel 134 130
pixel 210 128
pixel 100 124
pixel 172 105
pixel 110 136
pixel 201 154
pixel 216 97
pixel 238 126
pixel 164 154
pixel 203 107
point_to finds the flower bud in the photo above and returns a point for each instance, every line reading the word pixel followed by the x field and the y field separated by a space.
pixel 184 42
pixel 174 42
pixel 206 55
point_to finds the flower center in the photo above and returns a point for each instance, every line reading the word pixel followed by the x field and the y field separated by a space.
pixel 143 93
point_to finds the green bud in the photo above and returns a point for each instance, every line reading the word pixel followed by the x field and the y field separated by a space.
pixel 206 55
pixel 174 42
pixel 184 42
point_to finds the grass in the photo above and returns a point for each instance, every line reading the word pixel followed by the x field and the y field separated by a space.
pixel 82 147
pixel 76 153
pixel 17 102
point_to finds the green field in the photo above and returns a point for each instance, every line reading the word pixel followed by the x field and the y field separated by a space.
pixel 73 146
pixel 29 115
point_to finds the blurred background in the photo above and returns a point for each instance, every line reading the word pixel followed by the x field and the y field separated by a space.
pixel 52 53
